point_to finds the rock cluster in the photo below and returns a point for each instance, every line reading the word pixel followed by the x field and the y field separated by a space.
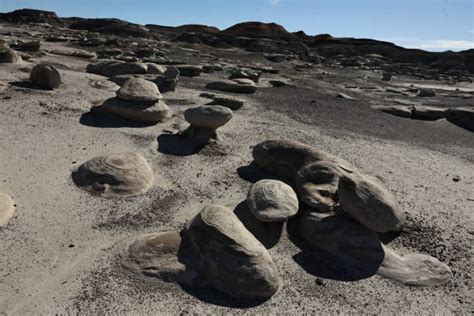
pixel 125 174
pixel 342 212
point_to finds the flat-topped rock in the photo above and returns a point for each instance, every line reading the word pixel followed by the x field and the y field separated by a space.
pixel 272 201
pixel 233 86
pixel 229 256
pixel 111 68
pixel 145 112
pixel 189 70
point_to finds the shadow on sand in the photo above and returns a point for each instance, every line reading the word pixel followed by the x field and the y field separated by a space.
pixel 177 145
pixel 340 265
pixel 252 173
pixel 28 85
pixel 268 233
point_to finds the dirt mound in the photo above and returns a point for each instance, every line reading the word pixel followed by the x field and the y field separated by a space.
pixel 198 28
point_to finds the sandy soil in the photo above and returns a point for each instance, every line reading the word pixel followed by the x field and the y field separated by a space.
pixel 58 253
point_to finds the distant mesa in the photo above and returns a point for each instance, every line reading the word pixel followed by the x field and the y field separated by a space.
pixel 258 29
pixel 31 16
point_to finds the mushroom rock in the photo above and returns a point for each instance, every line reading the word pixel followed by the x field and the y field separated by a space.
pixel 272 201
pixel 284 157
pixel 428 112
pixel 245 86
pixel 7 208
pixel 158 255
pixel 45 76
pixel 137 89
pixel 229 257
pixel 145 112
pixel 366 200
pixel 126 174
pixel 352 244
pixel 317 184
pixel 413 269
pixel 205 120
pixel 169 80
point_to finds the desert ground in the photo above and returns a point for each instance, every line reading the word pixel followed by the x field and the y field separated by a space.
pixel 60 248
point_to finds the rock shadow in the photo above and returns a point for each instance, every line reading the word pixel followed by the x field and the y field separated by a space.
pixel 178 145
pixel 268 233
pixel 28 85
pixel 252 173
pixel 96 117
pixel 341 265
pixel 200 288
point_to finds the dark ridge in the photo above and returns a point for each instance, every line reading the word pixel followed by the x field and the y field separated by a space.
pixel 31 16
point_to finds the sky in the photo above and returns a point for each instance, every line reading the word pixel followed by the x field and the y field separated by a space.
pixel 435 25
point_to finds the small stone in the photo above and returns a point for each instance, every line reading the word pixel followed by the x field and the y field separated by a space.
pixel 233 86
pixel 426 93
pixel 456 178
pixel 189 70
pixel 272 201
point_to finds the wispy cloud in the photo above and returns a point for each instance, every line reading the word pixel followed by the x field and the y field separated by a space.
pixel 435 45
pixel 274 2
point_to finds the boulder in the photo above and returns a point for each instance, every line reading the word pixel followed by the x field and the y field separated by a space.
pixel 126 174
pixel 157 255
pixel 232 86
pixel 45 76
pixel 7 208
pixel 229 256
pixel 140 90
pixel 153 68
pixel 189 70
pixel 349 242
pixel 272 201
pixel 141 112
pixel 316 185
pixel 284 157
pixel 368 202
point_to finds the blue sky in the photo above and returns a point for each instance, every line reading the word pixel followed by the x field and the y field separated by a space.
pixel 428 24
